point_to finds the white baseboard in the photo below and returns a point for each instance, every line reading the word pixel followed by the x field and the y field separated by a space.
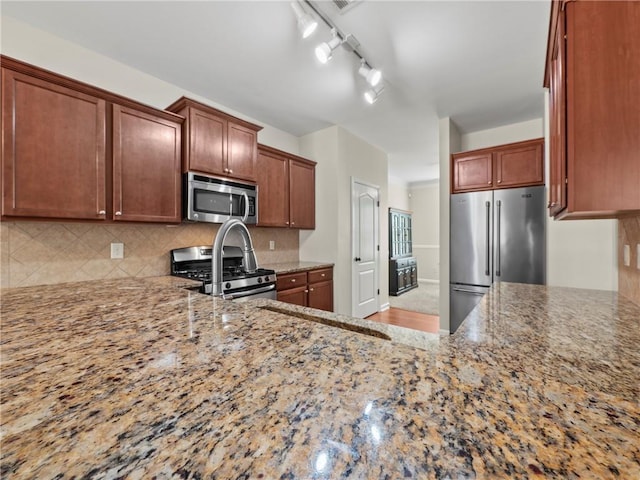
pixel 428 280
pixel 384 306
pixel 444 332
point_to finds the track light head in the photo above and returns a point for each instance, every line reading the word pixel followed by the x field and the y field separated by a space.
pixel 372 94
pixel 306 23
pixel 371 75
pixel 324 51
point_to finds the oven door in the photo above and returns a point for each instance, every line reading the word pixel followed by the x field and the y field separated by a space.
pixel 268 291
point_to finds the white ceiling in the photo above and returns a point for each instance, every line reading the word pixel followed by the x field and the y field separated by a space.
pixel 480 63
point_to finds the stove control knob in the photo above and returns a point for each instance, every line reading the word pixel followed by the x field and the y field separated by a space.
pixel 227 285
pixel 259 279
pixel 267 279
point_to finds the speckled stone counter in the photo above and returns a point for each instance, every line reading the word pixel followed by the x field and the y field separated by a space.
pixel 140 379
pixel 292 267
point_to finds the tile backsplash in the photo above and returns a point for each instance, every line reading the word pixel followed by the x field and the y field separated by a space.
pixel 37 253
pixel 629 276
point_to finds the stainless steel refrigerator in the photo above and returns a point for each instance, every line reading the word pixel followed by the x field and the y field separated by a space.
pixel 495 236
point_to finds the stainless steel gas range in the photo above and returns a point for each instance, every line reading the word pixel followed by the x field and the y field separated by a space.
pixel 237 283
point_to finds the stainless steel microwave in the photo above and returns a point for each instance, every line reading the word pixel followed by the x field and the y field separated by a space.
pixel 215 200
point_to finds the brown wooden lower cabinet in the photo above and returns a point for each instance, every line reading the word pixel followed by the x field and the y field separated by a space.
pixel 311 288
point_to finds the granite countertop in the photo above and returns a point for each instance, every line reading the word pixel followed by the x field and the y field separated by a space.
pixel 292 267
pixel 137 378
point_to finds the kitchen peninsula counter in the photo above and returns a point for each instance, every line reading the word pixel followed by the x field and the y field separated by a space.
pixel 138 378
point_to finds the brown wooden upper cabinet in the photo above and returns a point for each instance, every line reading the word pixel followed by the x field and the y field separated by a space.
pixel 53 150
pixel 215 142
pixel 286 190
pixel 55 157
pixel 506 166
pixel 146 157
pixel 592 72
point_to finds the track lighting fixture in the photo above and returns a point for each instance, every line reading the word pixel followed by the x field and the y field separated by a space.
pixel 371 75
pixel 371 95
pixel 306 23
pixel 324 51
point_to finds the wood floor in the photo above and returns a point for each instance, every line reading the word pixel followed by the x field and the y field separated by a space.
pixel 407 319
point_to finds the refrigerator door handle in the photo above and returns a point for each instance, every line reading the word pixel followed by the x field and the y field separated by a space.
pixel 472 292
pixel 488 206
pixel 499 205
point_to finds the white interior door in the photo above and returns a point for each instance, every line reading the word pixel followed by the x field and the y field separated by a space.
pixel 365 208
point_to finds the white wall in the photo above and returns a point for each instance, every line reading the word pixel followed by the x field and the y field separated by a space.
pixel 340 156
pixel 399 194
pixel 506 134
pixel 425 205
pixel 28 44
pixel 449 142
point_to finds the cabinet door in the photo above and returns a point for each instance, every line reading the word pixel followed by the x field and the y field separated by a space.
pixel 273 190
pixel 472 172
pixel 302 195
pixel 557 124
pixel 321 296
pixel 603 108
pixel 297 296
pixel 520 165
pixel 53 150
pixel 241 152
pixel 146 167
pixel 207 142
pixel 401 279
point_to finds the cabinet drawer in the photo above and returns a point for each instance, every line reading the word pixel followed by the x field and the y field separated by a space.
pixel 320 275
pixel 291 280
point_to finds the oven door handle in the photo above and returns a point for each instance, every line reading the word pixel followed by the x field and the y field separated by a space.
pixel 252 292
pixel 246 207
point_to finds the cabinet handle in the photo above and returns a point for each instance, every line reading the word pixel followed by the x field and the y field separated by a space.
pixel 322 275
pixel 306 291
pixel 293 223
pixel 286 223
pixel 118 214
pixel 311 289
pixel 230 171
pixel 293 280
pixel 102 212
pixel 499 181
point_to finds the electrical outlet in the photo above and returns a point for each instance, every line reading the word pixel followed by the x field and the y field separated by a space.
pixel 117 250
pixel 626 255
pixel 272 245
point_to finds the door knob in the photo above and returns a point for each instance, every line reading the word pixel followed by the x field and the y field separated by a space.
pixel 357 259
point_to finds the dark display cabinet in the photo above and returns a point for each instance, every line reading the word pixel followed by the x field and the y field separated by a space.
pixel 403 268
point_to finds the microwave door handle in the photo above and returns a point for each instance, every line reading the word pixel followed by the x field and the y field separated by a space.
pixel 246 207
